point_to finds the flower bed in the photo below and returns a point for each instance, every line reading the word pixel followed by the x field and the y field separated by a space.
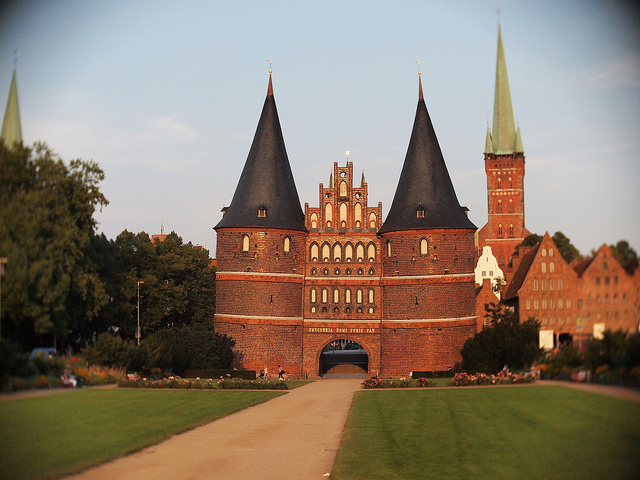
pixel 375 382
pixel 200 384
pixel 465 379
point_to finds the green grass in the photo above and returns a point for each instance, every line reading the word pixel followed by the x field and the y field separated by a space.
pixel 527 432
pixel 54 435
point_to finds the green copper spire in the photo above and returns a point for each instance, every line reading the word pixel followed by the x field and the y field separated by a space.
pixel 11 130
pixel 488 146
pixel 504 131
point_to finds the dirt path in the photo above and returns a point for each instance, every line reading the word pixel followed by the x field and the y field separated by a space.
pixel 294 436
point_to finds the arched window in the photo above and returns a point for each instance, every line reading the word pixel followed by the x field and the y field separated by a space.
pixel 424 246
pixel 499 183
pixel 357 213
pixel 337 252
pixel 500 230
pixel 372 220
pixel 543 267
pixel 314 220
pixel 359 296
pixel 326 252
pixel 371 295
pixel 552 267
pixel 336 295
pixel 347 296
pixel 245 243
pixel 328 214
pixel 499 206
pixel 348 252
pixel 511 229
pixel 343 214
pixel 314 272
pixel 325 295
pixel 511 205
pixel 313 252
pixel 343 188
pixel 388 248
pixel 510 182
pixel 313 295
pixel 287 244
pixel 371 252
pixel 360 252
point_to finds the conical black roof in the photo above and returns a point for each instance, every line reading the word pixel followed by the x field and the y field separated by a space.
pixel 424 184
pixel 266 181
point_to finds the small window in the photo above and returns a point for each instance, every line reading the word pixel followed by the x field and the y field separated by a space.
pixel 359 296
pixel 371 252
pixel 420 211
pixel 543 267
pixel 388 248
pixel 500 230
pixel 262 211
pixel 287 244
pixel 528 304
pixel 552 284
pixel 551 252
pixel 336 295
pixel 544 252
pixel 552 267
pixel 511 230
pixel 499 206
pixel 535 285
pixel 314 272
pixel 560 284
pixel 371 295
pixel 544 285
pixel 313 295
pixel 347 296
pixel 325 295
pixel 499 183
pixel 245 243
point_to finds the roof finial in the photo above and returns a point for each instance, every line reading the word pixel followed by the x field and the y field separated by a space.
pixel 420 95
pixel 162 225
pixel 347 152
pixel 15 58
pixel 498 9
pixel 270 88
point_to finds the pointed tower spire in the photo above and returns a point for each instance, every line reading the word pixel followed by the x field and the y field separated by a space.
pixel 11 130
pixel 488 146
pixel 425 197
pixel 331 180
pixel 362 180
pixel 266 195
pixel 504 132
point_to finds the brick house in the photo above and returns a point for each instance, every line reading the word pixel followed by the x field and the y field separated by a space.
pixel 576 302
pixel 332 288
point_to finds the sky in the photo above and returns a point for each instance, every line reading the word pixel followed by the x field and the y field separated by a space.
pixel 165 96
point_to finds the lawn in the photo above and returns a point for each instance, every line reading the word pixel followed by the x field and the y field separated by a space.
pixel 524 432
pixel 54 435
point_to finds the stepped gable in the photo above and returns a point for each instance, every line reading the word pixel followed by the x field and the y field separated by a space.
pixel 424 184
pixel 266 182
pixel 11 132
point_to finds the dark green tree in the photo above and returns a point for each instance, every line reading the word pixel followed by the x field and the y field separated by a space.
pixel 505 342
pixel 46 213
pixel 568 251
pixel 625 254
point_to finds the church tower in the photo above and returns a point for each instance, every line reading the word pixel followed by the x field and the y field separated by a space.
pixel 11 132
pixel 504 167
pixel 260 252
pixel 428 252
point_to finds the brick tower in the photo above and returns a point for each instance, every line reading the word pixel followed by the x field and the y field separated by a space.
pixel 427 261
pixel 260 252
pixel 504 166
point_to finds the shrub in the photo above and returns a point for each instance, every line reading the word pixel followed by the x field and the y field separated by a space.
pixel 375 382
pixel 239 384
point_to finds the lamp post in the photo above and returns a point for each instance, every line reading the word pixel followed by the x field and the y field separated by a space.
pixel 138 329
pixel 3 261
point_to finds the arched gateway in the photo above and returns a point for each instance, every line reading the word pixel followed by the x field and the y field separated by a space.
pixel 343 356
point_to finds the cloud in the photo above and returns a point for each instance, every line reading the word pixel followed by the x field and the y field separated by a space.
pixel 623 72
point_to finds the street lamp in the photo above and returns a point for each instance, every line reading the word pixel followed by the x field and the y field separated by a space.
pixel 138 329
pixel 3 261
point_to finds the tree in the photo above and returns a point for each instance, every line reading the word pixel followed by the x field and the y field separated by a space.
pixel 568 251
pixel 46 213
pixel 505 342
pixel 625 254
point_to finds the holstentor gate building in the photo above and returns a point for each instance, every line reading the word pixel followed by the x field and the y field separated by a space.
pixel 390 297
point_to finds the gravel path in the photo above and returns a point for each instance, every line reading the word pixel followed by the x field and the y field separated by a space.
pixel 294 436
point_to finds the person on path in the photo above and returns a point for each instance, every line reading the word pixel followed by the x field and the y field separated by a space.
pixel 280 373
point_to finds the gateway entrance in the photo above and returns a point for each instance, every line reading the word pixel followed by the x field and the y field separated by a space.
pixel 343 356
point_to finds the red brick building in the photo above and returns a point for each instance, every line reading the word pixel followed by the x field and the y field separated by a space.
pixel 334 289
pixel 576 302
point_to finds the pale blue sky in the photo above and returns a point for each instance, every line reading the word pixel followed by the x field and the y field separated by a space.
pixel 165 96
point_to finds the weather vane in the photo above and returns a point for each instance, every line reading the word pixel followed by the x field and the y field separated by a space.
pixel 347 152
pixel 498 8
pixel 418 62
pixel 269 65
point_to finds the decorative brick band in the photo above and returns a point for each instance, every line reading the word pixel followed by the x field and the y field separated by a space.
pixel 260 277
pixel 424 279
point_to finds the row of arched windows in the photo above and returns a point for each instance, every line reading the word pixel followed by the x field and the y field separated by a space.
pixel 499 208
pixel 326 294
pixel 501 230
pixel 509 182
pixel 337 253
pixel 342 220
pixel 347 271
